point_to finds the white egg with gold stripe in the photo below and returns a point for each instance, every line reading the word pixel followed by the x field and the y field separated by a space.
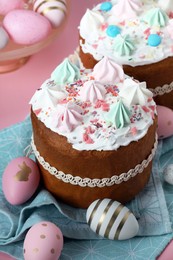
pixel 110 219
pixel 54 10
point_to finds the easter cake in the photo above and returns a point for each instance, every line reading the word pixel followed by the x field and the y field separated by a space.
pixel 137 34
pixel 90 130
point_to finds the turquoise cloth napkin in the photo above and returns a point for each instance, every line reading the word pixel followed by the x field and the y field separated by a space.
pixel 152 207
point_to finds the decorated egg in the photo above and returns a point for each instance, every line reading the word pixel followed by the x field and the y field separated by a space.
pixel 8 5
pixel 168 174
pixel 165 122
pixel 53 10
pixel 20 180
pixel 3 38
pixel 110 219
pixel 26 27
pixel 44 240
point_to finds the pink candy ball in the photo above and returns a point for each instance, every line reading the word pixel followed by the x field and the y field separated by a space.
pixel 26 27
pixel 8 5
pixel 165 122
pixel 44 240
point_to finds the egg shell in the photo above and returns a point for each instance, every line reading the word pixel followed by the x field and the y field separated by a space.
pixel 3 38
pixel 165 122
pixel 44 240
pixel 168 174
pixel 8 5
pixel 110 219
pixel 53 10
pixel 20 180
pixel 26 27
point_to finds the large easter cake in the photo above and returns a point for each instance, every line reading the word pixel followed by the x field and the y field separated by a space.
pixel 137 34
pixel 94 133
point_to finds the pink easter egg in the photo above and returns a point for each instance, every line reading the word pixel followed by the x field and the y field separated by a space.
pixel 165 122
pixel 44 240
pixel 20 180
pixel 54 11
pixel 26 27
pixel 8 5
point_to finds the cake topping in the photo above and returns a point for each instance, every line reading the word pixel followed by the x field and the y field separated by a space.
pixel 90 23
pixel 154 40
pixel 106 6
pixel 135 93
pixel 98 113
pixel 166 5
pixel 123 45
pixel 48 95
pixel 118 116
pixel 66 72
pixel 67 116
pixel 113 30
pixel 108 72
pixel 125 38
pixel 92 91
pixel 126 9
pixel 156 17
pixel 170 28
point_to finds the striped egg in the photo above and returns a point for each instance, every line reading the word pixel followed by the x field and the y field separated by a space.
pixel 53 10
pixel 110 219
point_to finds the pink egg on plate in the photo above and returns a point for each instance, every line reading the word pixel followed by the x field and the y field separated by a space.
pixel 8 5
pixel 26 27
pixel 165 122
pixel 44 240
pixel 54 11
pixel 20 180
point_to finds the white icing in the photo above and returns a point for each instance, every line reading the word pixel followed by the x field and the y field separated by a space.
pixel 135 93
pixel 93 133
pixel 48 95
pixel 99 44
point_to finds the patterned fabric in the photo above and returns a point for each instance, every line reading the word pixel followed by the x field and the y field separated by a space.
pixel 153 211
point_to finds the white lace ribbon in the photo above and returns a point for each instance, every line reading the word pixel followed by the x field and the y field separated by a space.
pixel 159 91
pixel 87 182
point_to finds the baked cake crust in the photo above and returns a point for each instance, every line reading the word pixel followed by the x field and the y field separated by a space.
pixel 55 149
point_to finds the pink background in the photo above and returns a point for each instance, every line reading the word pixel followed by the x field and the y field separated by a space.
pixel 16 88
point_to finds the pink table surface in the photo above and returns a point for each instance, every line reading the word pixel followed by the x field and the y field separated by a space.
pixel 17 87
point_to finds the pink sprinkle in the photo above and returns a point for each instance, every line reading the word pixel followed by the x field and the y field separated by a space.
pixel 171 48
pixel 86 111
pixel 37 111
pixel 122 23
pixel 87 139
pixel 64 101
pixel 104 26
pixel 152 108
pixel 147 32
pixel 145 109
pixel 89 130
pixel 93 121
pixel 95 46
pixel 105 107
pixel 171 15
pixel 133 130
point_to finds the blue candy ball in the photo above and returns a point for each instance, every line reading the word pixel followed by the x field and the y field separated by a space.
pixel 113 30
pixel 106 6
pixel 154 40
